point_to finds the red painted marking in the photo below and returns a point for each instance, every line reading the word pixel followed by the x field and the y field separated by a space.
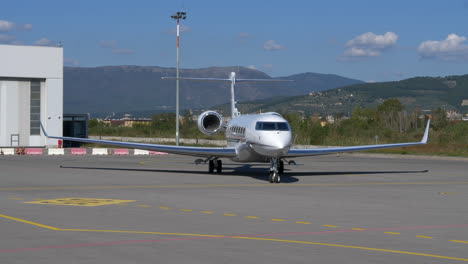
pixel 199 238
pixel 352 230
pixel 33 151
pixel 107 243
pixel 121 152
pixel 78 151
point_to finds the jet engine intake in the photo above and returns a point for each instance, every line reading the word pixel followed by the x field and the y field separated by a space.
pixel 210 122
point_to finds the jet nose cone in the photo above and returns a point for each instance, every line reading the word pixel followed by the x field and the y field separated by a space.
pixel 274 145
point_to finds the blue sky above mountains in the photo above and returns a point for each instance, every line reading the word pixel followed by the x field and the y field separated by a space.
pixel 364 39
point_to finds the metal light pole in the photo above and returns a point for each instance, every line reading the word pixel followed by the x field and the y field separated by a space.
pixel 177 17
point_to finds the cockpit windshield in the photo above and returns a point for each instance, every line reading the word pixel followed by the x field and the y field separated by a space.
pixel 269 126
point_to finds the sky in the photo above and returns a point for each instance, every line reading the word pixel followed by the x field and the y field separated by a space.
pixel 370 40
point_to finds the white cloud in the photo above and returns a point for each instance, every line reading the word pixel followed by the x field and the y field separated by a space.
pixel 272 45
pixel 70 62
pixel 112 45
pixel 123 51
pixel 16 42
pixel 370 44
pixel 6 38
pixel 44 42
pixel 6 26
pixel 361 52
pixel 184 28
pixel 107 44
pixel 244 35
pixel 453 48
pixel 25 27
pixel 267 67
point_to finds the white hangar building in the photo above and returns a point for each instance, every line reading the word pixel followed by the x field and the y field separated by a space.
pixel 31 91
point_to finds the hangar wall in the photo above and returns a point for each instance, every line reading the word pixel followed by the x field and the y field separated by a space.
pixel 31 91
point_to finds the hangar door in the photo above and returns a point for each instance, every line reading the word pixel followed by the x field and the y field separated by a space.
pixel 21 104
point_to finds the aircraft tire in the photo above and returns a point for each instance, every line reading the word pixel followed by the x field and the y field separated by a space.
pixel 276 178
pixel 219 166
pixel 211 166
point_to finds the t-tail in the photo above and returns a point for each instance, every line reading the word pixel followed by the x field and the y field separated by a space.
pixel 232 78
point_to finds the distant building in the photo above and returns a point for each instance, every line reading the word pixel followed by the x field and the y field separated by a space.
pixel 453 115
pixel 125 122
pixel 31 91
pixel 451 83
pixel 464 102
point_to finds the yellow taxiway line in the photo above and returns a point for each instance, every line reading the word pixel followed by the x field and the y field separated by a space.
pixel 238 237
pixel 354 247
pixel 28 222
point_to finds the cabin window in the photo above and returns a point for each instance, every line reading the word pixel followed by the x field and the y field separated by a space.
pixel 269 126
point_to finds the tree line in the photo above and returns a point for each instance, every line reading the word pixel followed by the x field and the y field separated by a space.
pixel 387 123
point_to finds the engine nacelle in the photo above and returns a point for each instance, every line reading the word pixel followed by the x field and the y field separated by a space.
pixel 210 122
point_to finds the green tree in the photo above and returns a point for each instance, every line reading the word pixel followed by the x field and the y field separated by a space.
pixel 439 119
pixel 93 123
pixel 389 114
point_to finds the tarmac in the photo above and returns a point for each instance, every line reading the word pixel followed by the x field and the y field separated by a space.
pixel 166 209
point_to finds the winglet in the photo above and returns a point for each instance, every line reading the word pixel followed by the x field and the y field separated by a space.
pixel 43 130
pixel 426 132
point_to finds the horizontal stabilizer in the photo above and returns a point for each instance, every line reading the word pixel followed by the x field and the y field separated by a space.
pixel 196 79
pixel 225 80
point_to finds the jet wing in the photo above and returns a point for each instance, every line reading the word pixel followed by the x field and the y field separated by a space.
pixel 182 150
pixel 323 151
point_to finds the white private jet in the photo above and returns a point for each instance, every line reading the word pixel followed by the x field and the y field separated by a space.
pixel 262 137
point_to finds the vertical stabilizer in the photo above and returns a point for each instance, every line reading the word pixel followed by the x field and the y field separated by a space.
pixel 234 111
pixel 233 80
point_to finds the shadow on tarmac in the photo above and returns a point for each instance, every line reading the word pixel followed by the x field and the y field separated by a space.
pixel 256 173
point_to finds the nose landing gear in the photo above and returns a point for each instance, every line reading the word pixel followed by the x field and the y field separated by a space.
pixel 276 168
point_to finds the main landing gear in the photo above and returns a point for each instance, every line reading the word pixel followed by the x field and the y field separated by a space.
pixel 276 168
pixel 215 164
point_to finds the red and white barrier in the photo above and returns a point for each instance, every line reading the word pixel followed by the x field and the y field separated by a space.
pixel 99 151
pixel 121 152
pixel 141 152
pixel 78 151
pixel 56 151
pixel 34 151
pixel 7 151
pixel 75 151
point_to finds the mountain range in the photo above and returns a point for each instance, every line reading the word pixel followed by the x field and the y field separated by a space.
pixel 419 93
pixel 107 89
